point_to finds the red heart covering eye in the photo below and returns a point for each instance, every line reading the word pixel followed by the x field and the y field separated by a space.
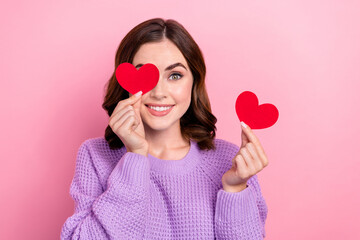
pixel 256 116
pixel 133 80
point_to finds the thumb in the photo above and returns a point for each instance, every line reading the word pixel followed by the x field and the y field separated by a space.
pixel 244 139
pixel 137 105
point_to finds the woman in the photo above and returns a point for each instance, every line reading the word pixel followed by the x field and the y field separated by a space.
pixel 159 173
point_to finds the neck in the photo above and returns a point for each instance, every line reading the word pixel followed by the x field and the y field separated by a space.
pixel 167 139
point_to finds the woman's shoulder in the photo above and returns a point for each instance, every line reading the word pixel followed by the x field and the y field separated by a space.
pixel 225 143
pixel 95 153
pixel 99 151
pixel 95 141
pixel 222 146
pixel 99 145
pixel 218 160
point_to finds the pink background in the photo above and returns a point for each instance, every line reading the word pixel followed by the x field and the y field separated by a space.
pixel 302 56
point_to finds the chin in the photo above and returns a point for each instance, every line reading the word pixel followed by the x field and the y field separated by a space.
pixel 158 125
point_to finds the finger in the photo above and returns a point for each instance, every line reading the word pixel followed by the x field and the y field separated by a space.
pixel 137 105
pixel 116 116
pixel 130 123
pixel 258 163
pixel 248 159
pixel 136 109
pixel 252 138
pixel 131 105
pixel 123 118
pixel 244 139
pixel 124 110
pixel 129 101
pixel 242 168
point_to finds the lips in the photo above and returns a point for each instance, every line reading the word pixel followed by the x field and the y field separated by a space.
pixel 159 105
pixel 159 113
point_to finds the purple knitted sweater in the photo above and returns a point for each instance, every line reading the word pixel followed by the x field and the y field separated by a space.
pixel 124 195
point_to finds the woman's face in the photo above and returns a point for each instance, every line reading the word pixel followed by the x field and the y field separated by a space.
pixel 163 106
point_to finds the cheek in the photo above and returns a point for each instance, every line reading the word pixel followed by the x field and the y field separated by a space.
pixel 182 94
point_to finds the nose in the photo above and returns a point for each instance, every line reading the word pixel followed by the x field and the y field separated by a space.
pixel 159 91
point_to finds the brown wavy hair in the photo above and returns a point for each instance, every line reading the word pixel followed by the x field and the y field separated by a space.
pixel 198 123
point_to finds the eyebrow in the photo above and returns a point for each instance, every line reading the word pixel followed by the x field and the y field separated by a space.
pixel 168 68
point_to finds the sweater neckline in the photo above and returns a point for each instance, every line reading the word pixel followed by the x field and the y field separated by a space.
pixel 181 166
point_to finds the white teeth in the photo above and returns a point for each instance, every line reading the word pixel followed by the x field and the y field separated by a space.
pixel 159 109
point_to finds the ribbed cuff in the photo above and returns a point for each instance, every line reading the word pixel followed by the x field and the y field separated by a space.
pixel 233 206
pixel 133 169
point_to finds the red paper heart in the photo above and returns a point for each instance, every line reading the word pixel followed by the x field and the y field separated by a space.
pixel 133 80
pixel 254 115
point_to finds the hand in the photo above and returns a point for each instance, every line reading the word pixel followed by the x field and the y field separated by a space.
pixel 126 123
pixel 250 160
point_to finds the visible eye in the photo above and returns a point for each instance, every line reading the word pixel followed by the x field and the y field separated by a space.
pixel 177 76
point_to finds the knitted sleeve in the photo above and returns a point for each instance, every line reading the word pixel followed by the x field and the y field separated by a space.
pixel 241 215
pixel 117 212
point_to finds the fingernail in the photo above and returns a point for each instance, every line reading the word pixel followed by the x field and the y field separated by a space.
pixel 138 94
pixel 243 124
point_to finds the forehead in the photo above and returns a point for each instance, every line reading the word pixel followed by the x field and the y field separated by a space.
pixel 162 54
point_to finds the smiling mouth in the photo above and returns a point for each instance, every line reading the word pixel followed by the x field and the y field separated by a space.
pixel 160 108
